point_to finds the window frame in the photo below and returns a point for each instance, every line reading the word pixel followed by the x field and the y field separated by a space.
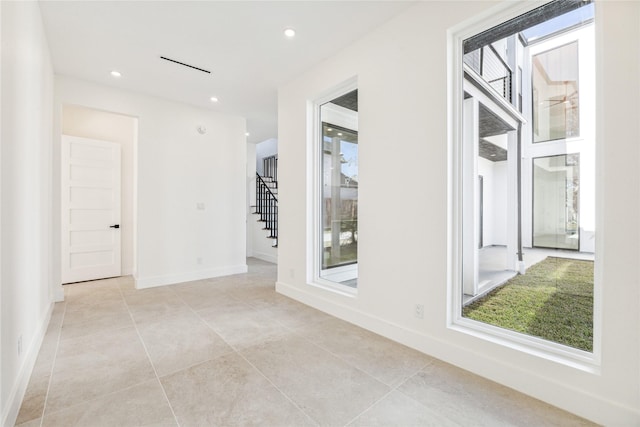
pixel 314 189
pixel 561 354
pixel 348 265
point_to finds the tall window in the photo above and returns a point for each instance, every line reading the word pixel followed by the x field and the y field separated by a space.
pixel 524 212
pixel 340 196
pixel 556 97
pixel 338 228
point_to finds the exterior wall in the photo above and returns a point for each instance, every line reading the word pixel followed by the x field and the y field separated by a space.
pixel 402 81
pixel 177 169
pixel 27 95
pixel 495 201
pixel 584 144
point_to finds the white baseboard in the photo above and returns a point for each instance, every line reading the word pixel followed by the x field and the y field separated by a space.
pixel 567 397
pixel 58 293
pixel 10 411
pixel 170 279
pixel 272 258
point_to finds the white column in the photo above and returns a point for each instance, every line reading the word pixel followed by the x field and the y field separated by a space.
pixel 470 197
pixel 336 203
pixel 512 201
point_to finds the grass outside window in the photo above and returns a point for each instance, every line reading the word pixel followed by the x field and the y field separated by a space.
pixel 553 301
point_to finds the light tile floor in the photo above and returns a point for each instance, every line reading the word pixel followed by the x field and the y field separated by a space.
pixel 230 351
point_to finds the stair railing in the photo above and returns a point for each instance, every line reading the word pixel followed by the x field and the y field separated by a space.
pixel 267 207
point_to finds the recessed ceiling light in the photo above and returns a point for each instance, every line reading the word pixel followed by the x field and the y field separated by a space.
pixel 290 32
pixel 247 134
pixel 330 129
pixel 214 99
pixel 115 73
pixel 339 134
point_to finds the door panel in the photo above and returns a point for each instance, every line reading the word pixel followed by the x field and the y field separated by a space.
pixel 556 183
pixel 90 206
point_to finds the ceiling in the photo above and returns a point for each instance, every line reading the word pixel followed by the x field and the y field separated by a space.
pixel 348 100
pixel 240 42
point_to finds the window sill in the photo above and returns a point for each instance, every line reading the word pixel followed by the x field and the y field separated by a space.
pixel 334 287
pixel 537 347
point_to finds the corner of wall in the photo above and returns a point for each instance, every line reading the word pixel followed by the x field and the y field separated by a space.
pixel 16 394
pixel 171 279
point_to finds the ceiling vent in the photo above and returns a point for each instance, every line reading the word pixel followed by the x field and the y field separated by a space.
pixel 185 65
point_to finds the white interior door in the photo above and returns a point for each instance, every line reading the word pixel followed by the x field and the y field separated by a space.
pixel 90 209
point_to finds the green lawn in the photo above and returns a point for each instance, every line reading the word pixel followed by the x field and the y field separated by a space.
pixel 553 300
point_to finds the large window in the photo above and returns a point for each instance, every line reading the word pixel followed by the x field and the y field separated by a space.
pixel 340 196
pixel 337 163
pixel 524 212
pixel 556 97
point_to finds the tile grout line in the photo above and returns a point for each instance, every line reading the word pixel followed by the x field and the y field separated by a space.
pixel 53 364
pixel 278 388
pixel 391 390
pixel 384 396
pixel 135 325
pixel 297 332
pixel 208 326
pixel 235 350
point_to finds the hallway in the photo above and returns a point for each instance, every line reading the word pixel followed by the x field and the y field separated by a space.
pixel 230 351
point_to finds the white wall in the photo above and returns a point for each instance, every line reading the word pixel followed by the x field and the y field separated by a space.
pixel 177 169
pixel 402 77
pixel 264 149
pixel 495 201
pixel 27 94
pixel 499 189
pixel 251 194
pixel 102 125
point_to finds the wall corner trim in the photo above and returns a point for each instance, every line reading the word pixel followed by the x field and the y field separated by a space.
pixel 170 279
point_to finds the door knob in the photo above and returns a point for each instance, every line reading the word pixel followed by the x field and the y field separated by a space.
pixel 115 226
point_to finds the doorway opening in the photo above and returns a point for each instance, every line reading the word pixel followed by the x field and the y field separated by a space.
pixel 97 194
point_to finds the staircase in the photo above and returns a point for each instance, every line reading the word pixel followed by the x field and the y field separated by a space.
pixel 266 206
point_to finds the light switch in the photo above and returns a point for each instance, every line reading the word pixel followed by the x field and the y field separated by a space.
pixel 200 206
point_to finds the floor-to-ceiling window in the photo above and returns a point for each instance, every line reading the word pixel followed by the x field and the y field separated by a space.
pixel 527 228
pixel 337 153
pixel 340 196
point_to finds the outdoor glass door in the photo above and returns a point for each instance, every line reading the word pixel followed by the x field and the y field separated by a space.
pixel 556 184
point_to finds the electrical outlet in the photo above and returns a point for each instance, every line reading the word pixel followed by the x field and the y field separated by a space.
pixel 20 345
pixel 292 273
pixel 199 260
pixel 419 311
